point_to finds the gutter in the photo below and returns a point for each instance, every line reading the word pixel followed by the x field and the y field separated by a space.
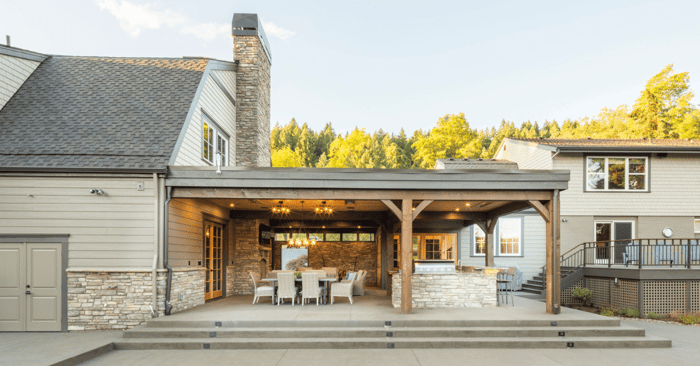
pixel 169 281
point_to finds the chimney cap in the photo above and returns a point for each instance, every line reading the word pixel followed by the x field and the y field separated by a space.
pixel 249 24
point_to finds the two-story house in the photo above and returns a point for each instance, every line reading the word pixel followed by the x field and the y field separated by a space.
pixel 619 189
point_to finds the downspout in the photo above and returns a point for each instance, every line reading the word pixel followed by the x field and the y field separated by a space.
pixel 555 251
pixel 156 235
pixel 169 281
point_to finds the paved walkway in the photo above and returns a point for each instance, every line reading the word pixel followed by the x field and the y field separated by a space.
pixel 49 347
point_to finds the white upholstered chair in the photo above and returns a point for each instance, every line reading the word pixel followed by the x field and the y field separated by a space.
pixel 343 288
pixel 285 287
pixel 330 271
pixel 261 291
pixel 310 288
pixel 358 287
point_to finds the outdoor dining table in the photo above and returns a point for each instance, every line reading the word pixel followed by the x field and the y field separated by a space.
pixel 324 280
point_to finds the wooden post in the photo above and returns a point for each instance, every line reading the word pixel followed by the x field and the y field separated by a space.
pixel 406 256
pixel 556 220
pixel 488 243
pixel 387 255
pixel 551 271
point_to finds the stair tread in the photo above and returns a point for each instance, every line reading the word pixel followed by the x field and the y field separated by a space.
pixel 387 339
pixel 379 329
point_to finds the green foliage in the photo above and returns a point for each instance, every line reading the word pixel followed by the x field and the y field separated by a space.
pixel 664 109
pixel 653 315
pixel 607 311
pixel 632 313
pixel 582 294
pixel 685 318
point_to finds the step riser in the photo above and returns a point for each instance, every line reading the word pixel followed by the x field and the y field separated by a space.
pixel 396 333
pixel 499 344
pixel 380 324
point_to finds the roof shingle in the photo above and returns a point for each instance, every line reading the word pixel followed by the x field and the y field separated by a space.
pixel 613 142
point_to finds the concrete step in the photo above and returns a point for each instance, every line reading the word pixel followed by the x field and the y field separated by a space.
pixel 532 287
pixel 166 322
pixel 390 342
pixel 531 291
pixel 535 283
pixel 423 332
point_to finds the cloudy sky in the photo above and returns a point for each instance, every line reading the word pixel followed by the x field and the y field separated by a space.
pixel 397 64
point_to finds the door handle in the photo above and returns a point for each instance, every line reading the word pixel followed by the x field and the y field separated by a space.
pixel 28 292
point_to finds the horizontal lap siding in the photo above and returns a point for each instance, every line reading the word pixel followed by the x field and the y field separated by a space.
pixel 215 103
pixel 111 230
pixel 534 248
pixel 527 157
pixel 185 240
pixel 674 183
pixel 14 71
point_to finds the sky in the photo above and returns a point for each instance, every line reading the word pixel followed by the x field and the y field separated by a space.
pixel 397 64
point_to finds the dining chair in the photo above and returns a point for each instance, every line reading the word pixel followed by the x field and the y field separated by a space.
pixel 285 287
pixel 262 290
pixel 358 287
pixel 310 287
pixel 343 288
pixel 330 271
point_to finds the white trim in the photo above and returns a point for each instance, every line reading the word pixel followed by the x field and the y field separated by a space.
pixel 474 253
pixel 216 135
pixel 612 236
pixel 605 173
pixel 497 243
pixel 696 226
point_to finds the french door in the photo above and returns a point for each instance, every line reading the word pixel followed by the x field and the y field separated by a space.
pixel 620 231
pixel 213 248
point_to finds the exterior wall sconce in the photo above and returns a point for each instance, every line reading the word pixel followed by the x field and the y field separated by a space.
pixel 564 220
pixel 98 192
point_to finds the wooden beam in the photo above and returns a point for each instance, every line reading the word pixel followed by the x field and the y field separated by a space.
pixel 356 194
pixel 451 215
pixel 309 216
pixel 551 273
pixel 483 225
pixel 420 208
pixel 539 207
pixel 407 257
pixel 393 208
pixel 507 209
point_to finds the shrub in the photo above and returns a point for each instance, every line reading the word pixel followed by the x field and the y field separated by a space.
pixel 653 315
pixel 607 311
pixel 582 294
pixel 685 318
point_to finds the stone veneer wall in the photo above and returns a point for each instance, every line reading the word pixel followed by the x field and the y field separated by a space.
pixel 101 300
pixel 252 102
pixel 245 256
pixel 455 290
pixel 344 255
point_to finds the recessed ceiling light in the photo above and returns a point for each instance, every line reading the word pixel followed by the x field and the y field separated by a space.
pixel 468 204
pixel 231 205
pixel 457 209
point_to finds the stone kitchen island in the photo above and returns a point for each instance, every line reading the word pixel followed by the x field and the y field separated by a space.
pixel 469 288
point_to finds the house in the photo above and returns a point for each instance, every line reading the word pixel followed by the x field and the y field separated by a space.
pixel 620 189
pixel 133 188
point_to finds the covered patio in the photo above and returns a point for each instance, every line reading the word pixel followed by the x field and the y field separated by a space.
pixel 379 208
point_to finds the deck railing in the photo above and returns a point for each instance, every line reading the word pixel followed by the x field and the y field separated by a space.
pixel 638 253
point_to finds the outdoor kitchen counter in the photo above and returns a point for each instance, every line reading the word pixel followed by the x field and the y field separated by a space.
pixel 450 290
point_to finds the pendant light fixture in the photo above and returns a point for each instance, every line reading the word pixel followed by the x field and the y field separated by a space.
pixel 299 242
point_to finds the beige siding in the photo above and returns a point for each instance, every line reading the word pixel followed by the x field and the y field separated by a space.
pixel 108 231
pixel 674 183
pixel 527 157
pixel 186 220
pixel 14 71
pixel 215 103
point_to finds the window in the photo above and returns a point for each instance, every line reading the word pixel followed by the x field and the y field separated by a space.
pixel 349 236
pixel 281 236
pixel 213 142
pixel 617 174
pixel 479 241
pixel 509 236
pixel 432 247
pixel 316 236
pixel 332 237
pixel 366 236
pixel 697 226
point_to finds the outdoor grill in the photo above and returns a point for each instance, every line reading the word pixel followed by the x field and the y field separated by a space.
pixel 434 266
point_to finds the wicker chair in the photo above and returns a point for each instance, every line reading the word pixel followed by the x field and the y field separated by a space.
pixel 310 288
pixel 262 290
pixel 358 288
pixel 286 289
pixel 330 271
pixel 343 288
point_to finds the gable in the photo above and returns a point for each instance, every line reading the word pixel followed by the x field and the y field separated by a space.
pixel 14 71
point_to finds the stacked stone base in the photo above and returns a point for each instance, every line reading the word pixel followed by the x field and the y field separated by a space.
pixel 107 300
pixel 456 290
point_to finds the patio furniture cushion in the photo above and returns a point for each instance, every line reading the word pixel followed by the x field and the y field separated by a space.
pixel 358 288
pixel 350 276
pixel 260 291
pixel 286 288
pixel 665 253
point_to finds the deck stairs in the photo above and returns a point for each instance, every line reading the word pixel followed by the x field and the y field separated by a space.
pixel 168 334
pixel 537 284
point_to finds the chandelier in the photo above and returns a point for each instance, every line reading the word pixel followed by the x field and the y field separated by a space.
pixel 301 242
pixel 324 209
pixel 280 208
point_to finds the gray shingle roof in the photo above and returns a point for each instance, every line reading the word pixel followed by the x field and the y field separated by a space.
pixel 475 164
pixel 99 113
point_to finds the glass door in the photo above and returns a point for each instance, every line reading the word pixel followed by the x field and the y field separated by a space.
pixel 620 231
pixel 213 245
pixel 603 233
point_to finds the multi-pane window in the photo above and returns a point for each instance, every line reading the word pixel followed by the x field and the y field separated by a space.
pixel 479 241
pixel 509 236
pixel 349 236
pixel 213 142
pixel 332 236
pixel 617 174
pixel 432 247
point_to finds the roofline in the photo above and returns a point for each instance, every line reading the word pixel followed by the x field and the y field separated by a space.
pixel 22 53
pixel 386 179
pixel 633 149
pixel 4 169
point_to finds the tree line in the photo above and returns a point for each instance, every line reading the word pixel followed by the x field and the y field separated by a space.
pixel 664 110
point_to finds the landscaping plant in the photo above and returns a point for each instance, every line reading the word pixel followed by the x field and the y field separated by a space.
pixel 582 294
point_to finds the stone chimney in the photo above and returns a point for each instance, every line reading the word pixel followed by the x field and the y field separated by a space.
pixel 252 51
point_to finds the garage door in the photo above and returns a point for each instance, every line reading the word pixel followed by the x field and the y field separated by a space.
pixel 30 287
